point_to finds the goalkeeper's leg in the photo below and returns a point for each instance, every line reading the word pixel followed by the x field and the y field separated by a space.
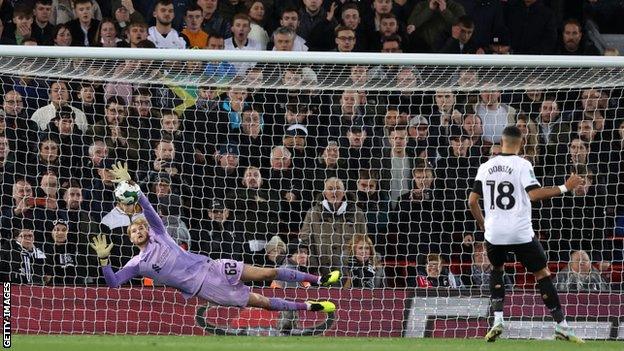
pixel 253 273
pixel 277 304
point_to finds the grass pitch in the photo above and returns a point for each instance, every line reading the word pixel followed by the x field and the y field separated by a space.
pixel 248 343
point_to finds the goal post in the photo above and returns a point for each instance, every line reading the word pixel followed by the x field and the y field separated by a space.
pixel 360 162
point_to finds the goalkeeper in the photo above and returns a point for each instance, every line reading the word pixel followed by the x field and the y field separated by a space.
pixel 218 281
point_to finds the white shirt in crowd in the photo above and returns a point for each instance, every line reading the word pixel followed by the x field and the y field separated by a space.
pixel 242 67
pixel 505 181
pixel 44 115
pixel 173 40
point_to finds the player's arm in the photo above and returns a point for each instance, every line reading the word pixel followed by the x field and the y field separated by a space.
pixel 473 204
pixel 120 174
pixel 538 194
pixel 113 280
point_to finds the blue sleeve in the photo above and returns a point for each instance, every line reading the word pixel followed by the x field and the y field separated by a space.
pixel 152 217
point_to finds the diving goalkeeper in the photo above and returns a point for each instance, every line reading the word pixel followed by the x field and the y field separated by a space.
pixel 218 281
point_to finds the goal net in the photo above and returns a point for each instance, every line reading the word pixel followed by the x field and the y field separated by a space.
pixel 361 163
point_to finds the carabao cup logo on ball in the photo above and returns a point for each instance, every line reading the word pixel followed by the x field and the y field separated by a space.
pixel 127 193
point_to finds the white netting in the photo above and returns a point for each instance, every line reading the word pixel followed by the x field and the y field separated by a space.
pixel 234 160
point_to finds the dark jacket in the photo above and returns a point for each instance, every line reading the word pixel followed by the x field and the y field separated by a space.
pixel 21 266
pixel 78 36
pixel 532 29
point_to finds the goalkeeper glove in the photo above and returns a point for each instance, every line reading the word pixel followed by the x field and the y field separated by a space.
pixel 120 173
pixel 102 250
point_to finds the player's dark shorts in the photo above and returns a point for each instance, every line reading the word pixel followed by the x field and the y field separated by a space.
pixel 531 254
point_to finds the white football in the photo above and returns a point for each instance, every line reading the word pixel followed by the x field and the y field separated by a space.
pixel 127 193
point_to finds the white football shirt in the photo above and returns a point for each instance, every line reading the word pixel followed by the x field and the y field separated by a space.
pixel 504 182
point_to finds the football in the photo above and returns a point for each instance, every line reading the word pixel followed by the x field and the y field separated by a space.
pixel 127 193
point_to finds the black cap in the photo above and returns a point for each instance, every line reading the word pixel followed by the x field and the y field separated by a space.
pixel 216 204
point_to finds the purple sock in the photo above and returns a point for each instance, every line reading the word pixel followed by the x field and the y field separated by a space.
pixel 292 275
pixel 285 305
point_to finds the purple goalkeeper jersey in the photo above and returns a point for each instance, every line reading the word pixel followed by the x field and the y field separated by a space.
pixel 162 260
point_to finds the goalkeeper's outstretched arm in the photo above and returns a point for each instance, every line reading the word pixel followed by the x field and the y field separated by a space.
pixel 120 174
pixel 113 280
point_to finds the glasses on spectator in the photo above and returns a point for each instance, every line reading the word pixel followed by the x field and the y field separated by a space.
pixel 143 102
pixel 120 111
pixel 346 38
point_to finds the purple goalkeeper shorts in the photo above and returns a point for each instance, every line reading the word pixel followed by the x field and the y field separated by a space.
pixel 222 284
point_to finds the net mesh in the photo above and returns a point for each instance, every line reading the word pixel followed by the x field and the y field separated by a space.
pixel 362 168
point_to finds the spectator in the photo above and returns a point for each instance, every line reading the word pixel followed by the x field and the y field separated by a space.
pixel 59 97
pixel 350 18
pixel 572 41
pixel 253 142
pixel 388 26
pixel 499 46
pixel 136 32
pixel 107 35
pixel 580 276
pixel 494 114
pixel 125 12
pixel 368 197
pixel 295 140
pixel 20 130
pixel 461 41
pixel 62 35
pixel 213 20
pixel 256 13
pixel 88 103
pixel 358 149
pixel 530 149
pixel 579 221
pixel 291 186
pixel 396 165
pixel 195 37
pixel 444 114
pixel 70 139
pixel 63 11
pixel 66 264
pixel 21 207
pixel 84 28
pixel 315 22
pixel 330 164
pixel 284 39
pixel 162 34
pixel 345 39
pixel 23 262
pixel 431 19
pixel 79 215
pixel 169 209
pixel 226 174
pixel 481 268
pixel 290 19
pixel 276 251
pixel 473 128
pixel 364 267
pixel 219 236
pixel 437 275
pixel 42 29
pixel 531 27
pixel 295 257
pixel 328 227
pixel 123 141
pixel 420 220
pixel 239 40
pixel 21 29
pixel 420 144
pixel 489 20
pixel 391 44
pixel 254 208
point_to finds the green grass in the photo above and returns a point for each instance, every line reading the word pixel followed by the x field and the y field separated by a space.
pixel 213 343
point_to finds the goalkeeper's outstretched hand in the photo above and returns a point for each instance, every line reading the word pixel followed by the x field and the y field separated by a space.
pixel 120 173
pixel 100 247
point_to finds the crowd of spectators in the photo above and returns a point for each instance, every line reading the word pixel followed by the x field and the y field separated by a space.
pixel 338 179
